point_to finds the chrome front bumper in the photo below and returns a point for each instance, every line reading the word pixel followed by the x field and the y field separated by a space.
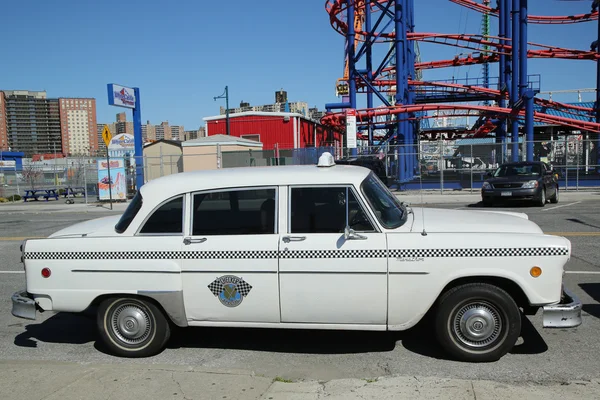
pixel 23 306
pixel 566 314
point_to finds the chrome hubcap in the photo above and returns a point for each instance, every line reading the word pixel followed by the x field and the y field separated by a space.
pixel 131 324
pixel 477 324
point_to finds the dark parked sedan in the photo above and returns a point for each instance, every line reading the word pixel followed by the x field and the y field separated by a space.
pixel 535 181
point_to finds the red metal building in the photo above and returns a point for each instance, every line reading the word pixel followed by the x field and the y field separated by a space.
pixel 275 129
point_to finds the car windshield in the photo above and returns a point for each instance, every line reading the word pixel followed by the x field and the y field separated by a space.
pixel 388 209
pixel 129 214
pixel 518 170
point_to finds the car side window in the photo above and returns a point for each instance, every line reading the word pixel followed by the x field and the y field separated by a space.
pixel 323 210
pixel 234 212
pixel 167 219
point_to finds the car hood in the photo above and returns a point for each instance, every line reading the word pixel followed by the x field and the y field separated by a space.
pixel 96 227
pixel 449 221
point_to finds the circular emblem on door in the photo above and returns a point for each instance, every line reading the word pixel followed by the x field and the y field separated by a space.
pixel 230 290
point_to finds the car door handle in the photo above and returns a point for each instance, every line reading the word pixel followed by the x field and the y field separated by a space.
pixel 188 241
pixel 288 239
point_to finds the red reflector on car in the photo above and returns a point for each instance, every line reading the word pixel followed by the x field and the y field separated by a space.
pixel 46 272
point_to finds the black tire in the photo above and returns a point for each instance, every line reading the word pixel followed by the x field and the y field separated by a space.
pixel 489 306
pixel 153 329
pixel 487 202
pixel 555 196
pixel 541 199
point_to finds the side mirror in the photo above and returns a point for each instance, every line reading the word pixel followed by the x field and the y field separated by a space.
pixel 349 234
pixel 489 174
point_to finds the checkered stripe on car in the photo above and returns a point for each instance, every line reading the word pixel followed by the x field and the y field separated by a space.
pixel 149 255
pixel 102 255
pixel 333 254
pixel 490 252
pixel 300 254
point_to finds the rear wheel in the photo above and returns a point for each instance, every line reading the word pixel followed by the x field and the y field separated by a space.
pixel 487 202
pixel 554 198
pixel 477 322
pixel 132 327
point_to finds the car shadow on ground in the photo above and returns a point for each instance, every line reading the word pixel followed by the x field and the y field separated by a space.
pixel 593 289
pixel 578 221
pixel 59 328
pixel 80 329
pixel 507 204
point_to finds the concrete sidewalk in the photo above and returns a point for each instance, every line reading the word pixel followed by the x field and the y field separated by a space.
pixel 59 207
pixel 67 381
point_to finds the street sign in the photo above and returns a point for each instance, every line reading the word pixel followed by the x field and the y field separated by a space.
pixel 106 135
pixel 121 96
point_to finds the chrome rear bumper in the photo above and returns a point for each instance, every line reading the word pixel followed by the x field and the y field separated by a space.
pixel 566 314
pixel 23 306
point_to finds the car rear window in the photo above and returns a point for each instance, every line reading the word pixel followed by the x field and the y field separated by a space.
pixel 130 213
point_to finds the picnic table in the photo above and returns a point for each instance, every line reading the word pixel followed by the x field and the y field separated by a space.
pixel 36 193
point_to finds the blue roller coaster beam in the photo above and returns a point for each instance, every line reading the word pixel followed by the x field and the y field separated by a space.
pixel 369 55
pixel 399 53
pixel 501 130
pixel 514 87
pixel 411 125
pixel 523 90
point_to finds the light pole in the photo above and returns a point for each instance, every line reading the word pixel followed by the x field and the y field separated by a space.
pixel 226 97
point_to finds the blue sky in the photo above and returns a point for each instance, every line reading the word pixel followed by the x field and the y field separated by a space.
pixel 182 53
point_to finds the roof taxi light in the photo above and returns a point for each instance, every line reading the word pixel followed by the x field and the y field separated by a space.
pixel 326 160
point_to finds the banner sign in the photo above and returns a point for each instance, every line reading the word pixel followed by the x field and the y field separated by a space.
pixel 117 179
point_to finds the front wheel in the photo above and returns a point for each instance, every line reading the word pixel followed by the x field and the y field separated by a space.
pixel 554 198
pixel 541 199
pixel 132 327
pixel 477 322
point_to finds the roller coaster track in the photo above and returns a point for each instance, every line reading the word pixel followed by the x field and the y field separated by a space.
pixel 424 86
pixel 534 19
pixel 338 119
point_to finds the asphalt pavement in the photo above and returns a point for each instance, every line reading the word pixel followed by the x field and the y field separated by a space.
pixel 563 363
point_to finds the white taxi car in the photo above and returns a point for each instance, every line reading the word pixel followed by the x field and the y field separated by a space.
pixel 310 247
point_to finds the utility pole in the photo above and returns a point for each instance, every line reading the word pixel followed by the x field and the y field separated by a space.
pixel 225 96
pixel 55 178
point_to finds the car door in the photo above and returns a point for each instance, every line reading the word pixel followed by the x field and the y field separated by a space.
pixel 324 276
pixel 230 260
